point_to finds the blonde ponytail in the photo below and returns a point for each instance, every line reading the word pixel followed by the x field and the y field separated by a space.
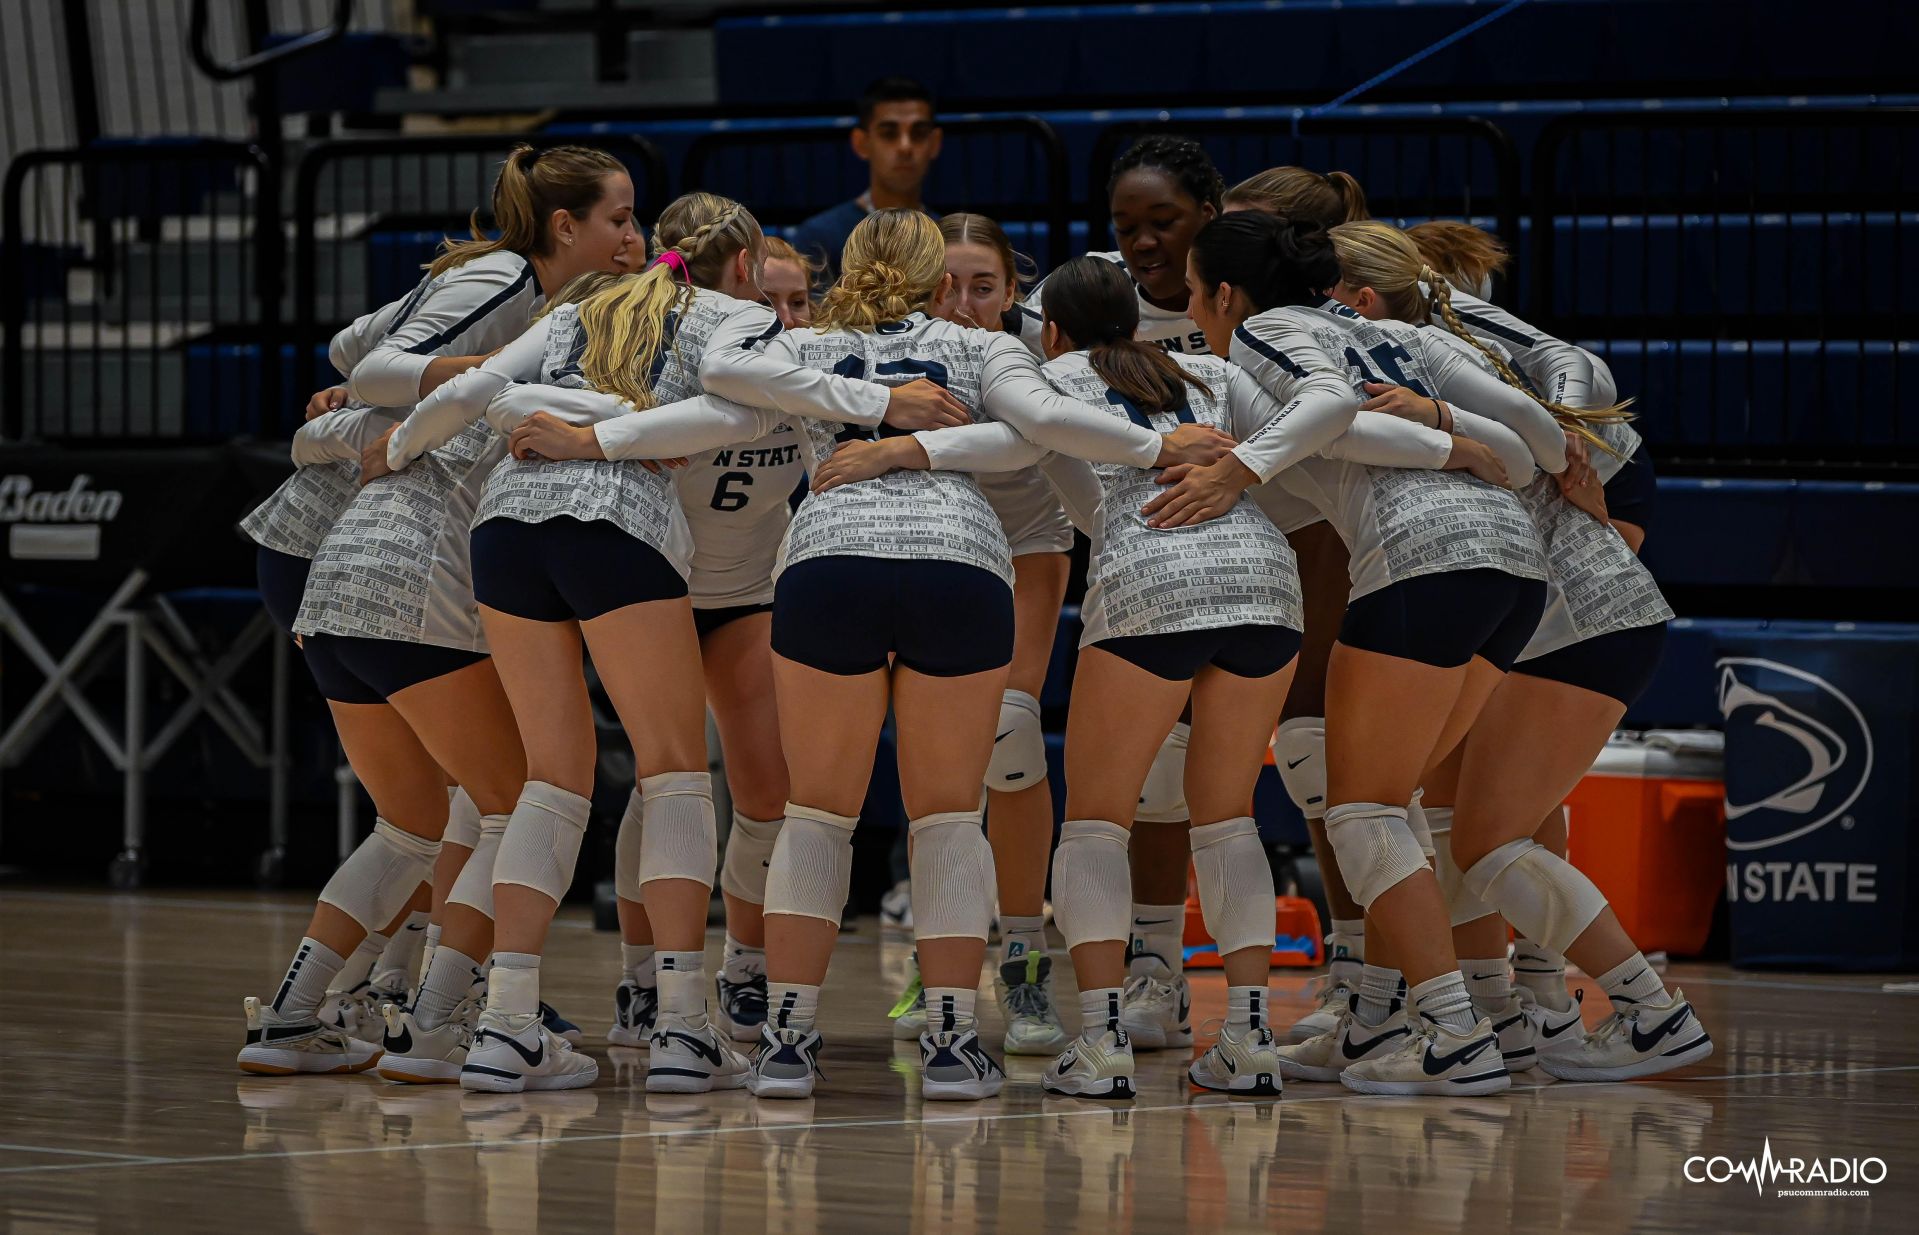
pixel 1577 419
pixel 626 324
pixel 893 263
pixel 532 185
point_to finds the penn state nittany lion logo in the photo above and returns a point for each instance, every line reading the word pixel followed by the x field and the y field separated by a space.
pixel 1817 752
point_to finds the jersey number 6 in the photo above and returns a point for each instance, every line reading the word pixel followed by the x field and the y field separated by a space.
pixel 728 497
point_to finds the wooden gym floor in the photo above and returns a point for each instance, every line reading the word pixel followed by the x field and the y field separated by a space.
pixel 121 1110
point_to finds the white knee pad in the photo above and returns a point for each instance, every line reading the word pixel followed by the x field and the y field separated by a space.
pixel 749 853
pixel 1545 897
pixel 462 819
pixel 626 850
pixel 474 887
pixel 378 878
pixel 1375 848
pixel 1299 752
pixel 1235 884
pixel 681 839
pixel 1461 906
pixel 1419 825
pixel 1019 748
pixel 1092 882
pixel 952 869
pixel 1163 798
pixel 811 870
pixel 542 840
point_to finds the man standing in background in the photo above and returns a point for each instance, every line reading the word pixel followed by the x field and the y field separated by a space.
pixel 898 139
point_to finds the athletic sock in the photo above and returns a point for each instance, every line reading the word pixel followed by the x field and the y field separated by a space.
pixel 682 983
pixel 740 961
pixel 949 1009
pixel 1379 989
pixel 448 979
pixel 637 960
pixel 1246 1008
pixel 403 950
pixel 792 1005
pixel 1099 1011
pixel 305 984
pixel 513 984
pixel 1444 999
pixel 1489 984
pixel 1543 972
pixel 1346 949
pixel 1632 982
pixel 1019 937
pixel 1157 931
pixel 353 973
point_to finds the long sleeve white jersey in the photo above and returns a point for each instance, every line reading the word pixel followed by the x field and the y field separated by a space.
pixel 299 514
pixel 397 563
pixel 730 501
pixel 1235 570
pixel 1171 329
pixel 1400 523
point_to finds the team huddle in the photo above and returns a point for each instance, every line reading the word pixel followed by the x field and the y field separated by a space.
pixel 1340 506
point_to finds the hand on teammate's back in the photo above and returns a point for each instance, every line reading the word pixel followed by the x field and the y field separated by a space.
pixel 924 404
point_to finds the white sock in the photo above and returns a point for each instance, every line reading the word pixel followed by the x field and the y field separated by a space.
pixel 1157 931
pixel 682 983
pixel 1632 982
pixel 1020 936
pixel 1488 982
pixel 305 984
pixel 739 962
pixel 1379 989
pixel 426 953
pixel 1246 1009
pixel 513 984
pixel 403 950
pixel 949 1008
pixel 792 1005
pixel 1444 999
pixel 353 974
pixel 447 981
pixel 637 960
pixel 1099 1010
pixel 1346 949
pixel 1543 972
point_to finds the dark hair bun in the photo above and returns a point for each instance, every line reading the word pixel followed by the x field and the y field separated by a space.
pixel 1273 261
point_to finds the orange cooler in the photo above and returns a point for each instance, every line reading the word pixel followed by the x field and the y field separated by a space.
pixel 1648 825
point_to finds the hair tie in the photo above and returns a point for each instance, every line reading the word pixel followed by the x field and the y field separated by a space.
pixel 673 260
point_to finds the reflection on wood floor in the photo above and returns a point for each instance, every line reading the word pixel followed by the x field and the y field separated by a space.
pixel 120 1109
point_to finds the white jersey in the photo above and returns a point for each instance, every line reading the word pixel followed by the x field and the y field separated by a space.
pixel 737 502
pixel 1559 371
pixel 299 514
pixel 1171 329
pixel 398 565
pixel 1401 523
pixel 1236 570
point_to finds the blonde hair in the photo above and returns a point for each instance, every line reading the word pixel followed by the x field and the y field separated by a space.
pixel 1380 256
pixel 626 322
pixel 1465 254
pixel 579 287
pixel 532 185
pixel 778 250
pixel 1298 195
pixel 892 264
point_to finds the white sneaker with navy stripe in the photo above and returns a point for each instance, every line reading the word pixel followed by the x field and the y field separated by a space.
pixel 416 1056
pixel 1644 1040
pixel 1434 1060
pixel 692 1057
pixel 514 1053
pixel 1350 1040
pixel 635 1008
pixel 1246 1065
pixel 280 1046
pixel 1157 1008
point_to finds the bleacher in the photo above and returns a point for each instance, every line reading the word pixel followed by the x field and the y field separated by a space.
pixel 1724 209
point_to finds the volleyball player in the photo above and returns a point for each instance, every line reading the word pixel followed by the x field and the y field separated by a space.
pixel 387 618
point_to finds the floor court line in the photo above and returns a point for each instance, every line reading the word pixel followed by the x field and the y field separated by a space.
pixel 829 1125
pixel 81 1153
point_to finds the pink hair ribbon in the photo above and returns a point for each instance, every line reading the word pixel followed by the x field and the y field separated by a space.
pixel 674 262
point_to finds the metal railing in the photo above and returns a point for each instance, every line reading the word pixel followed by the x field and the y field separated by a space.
pixel 1412 168
pixel 367 214
pixel 1752 277
pixel 1013 169
pixel 147 302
